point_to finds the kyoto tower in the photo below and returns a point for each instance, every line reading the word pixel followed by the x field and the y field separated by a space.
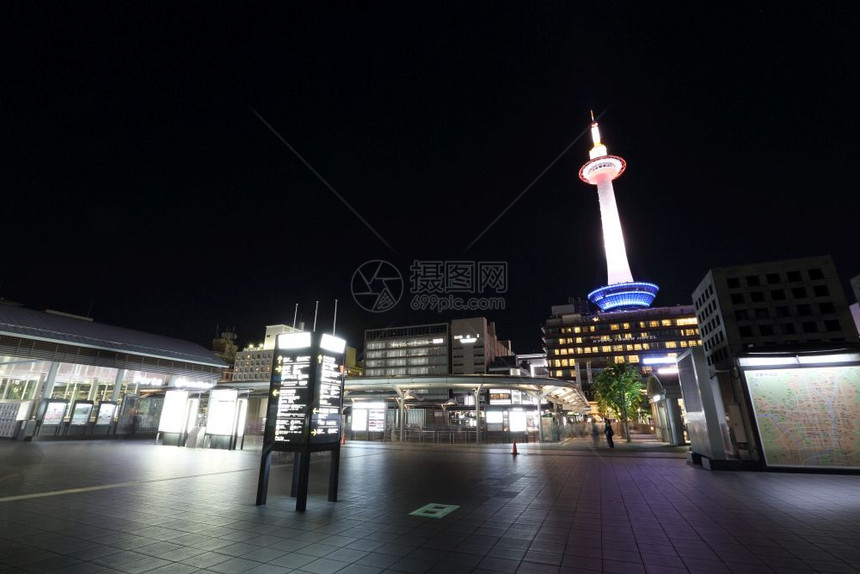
pixel 622 292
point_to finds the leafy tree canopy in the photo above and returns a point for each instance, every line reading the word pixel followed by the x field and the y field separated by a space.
pixel 618 388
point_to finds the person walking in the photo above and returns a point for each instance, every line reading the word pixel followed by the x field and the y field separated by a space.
pixel 595 433
pixel 607 430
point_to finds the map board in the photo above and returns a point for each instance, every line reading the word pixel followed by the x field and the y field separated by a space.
pixel 808 417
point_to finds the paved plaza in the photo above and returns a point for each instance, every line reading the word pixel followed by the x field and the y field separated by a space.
pixel 131 506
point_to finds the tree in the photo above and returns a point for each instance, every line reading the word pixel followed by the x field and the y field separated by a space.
pixel 618 388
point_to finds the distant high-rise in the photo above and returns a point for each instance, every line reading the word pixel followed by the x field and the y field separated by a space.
pixel 791 302
pixel 463 346
pixel 621 292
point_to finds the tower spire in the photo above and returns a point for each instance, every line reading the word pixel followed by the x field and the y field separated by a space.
pixel 622 292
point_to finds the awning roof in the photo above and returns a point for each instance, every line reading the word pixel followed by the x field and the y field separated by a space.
pixel 43 326
pixel 564 393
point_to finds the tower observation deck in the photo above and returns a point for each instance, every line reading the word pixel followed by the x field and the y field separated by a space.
pixel 622 292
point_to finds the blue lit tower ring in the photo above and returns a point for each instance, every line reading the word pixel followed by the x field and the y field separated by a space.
pixel 621 292
pixel 633 295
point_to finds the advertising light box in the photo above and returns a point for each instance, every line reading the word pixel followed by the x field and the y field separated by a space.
pixel 173 412
pixel 517 420
pixel 807 416
pixel 359 419
pixel 500 396
pixel 105 413
pixel 54 412
pixel 376 420
pixel 221 414
pixel 81 413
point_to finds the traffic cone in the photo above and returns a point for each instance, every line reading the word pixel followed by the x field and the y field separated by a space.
pixel 514 451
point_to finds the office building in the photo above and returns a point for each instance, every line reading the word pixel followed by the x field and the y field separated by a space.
pixel 463 346
pixel 791 302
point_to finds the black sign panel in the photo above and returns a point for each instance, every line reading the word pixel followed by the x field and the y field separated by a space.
pixel 305 396
pixel 292 396
pixel 325 419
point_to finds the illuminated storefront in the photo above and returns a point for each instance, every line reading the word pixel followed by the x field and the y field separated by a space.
pixel 70 360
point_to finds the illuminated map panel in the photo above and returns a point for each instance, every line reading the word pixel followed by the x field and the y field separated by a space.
pixel 808 417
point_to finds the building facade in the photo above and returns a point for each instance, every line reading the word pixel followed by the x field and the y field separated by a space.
pixel 580 344
pixel 791 302
pixel 72 376
pixel 474 345
pixel 463 346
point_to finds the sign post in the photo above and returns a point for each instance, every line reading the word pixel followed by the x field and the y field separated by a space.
pixel 304 410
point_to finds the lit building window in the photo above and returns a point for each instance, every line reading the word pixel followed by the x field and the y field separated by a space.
pixel 625 325
pixel 619 358
pixel 577 330
pixel 671 345
pixel 666 323
pixel 614 327
pixel 606 348
pixel 653 323
pixel 632 358
pixel 564 363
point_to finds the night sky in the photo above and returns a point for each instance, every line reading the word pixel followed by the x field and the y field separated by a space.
pixel 141 188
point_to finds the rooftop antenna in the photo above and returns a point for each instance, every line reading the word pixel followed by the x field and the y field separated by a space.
pixel 316 308
pixel 295 314
pixel 334 321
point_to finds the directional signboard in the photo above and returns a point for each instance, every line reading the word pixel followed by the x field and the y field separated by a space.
pixel 304 409
pixel 325 417
pixel 305 392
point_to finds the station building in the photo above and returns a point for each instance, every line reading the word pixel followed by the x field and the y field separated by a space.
pixel 97 379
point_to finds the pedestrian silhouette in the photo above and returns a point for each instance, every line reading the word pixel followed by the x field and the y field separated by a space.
pixel 595 433
pixel 607 430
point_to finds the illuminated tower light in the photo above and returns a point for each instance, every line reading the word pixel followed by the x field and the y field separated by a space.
pixel 621 292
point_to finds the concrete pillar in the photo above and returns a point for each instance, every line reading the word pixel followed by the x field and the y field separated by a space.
pixel 117 385
pixel 48 386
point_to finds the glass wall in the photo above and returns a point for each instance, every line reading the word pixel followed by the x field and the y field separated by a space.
pixel 19 378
